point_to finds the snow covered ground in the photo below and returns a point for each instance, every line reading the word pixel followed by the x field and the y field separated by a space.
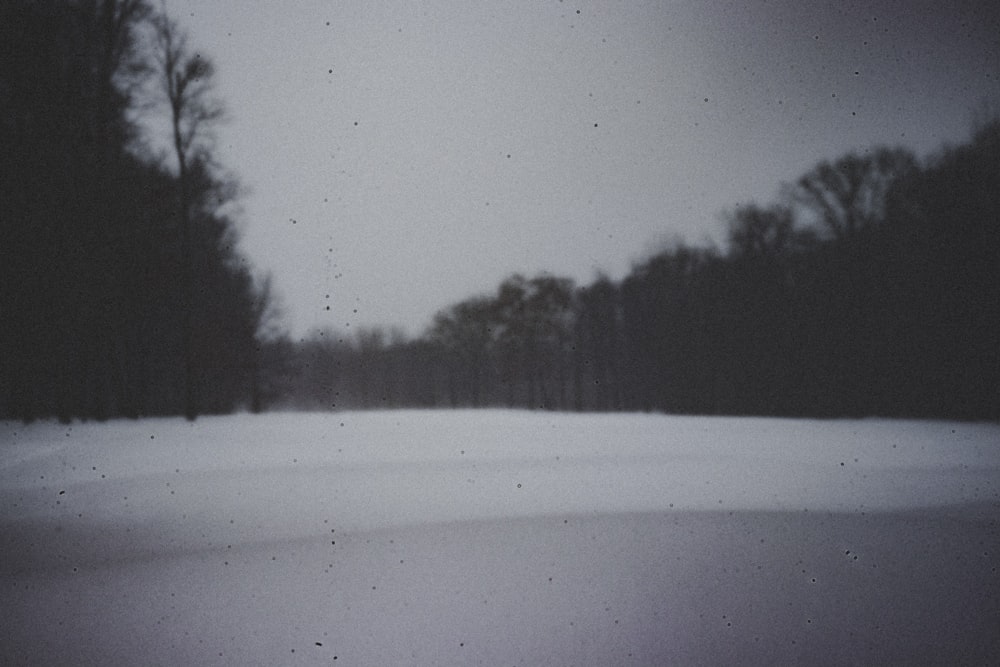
pixel 499 538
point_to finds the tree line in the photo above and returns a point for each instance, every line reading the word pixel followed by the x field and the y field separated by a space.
pixel 871 287
pixel 121 292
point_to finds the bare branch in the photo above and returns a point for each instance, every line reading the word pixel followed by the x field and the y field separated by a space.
pixel 848 196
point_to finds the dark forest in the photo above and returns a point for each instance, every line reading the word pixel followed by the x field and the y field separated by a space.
pixel 122 293
pixel 871 288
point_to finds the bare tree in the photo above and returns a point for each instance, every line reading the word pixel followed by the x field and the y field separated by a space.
pixel 849 195
pixel 186 85
pixel 761 232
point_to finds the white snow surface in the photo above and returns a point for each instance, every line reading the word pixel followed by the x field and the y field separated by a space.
pixel 499 537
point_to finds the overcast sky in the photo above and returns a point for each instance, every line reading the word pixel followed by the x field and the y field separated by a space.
pixel 402 156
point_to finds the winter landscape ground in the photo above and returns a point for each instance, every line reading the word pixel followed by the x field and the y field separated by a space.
pixel 499 538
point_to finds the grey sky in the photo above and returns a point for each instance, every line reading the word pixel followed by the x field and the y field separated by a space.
pixel 403 156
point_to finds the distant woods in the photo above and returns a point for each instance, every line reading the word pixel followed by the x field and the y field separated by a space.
pixel 871 288
pixel 121 293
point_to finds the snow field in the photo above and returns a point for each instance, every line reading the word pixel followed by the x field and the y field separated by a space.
pixel 494 537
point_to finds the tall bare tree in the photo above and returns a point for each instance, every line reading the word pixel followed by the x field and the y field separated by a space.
pixel 185 80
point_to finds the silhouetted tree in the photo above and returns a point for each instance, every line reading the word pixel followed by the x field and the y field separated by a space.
pixel 762 234
pixel 873 293
pixel 466 333
pixel 550 319
pixel 597 382
pixel 533 320
pixel 370 344
pixel 759 313
pixel 265 323
pixel 848 196
pixel 65 84
pixel 943 282
pixel 90 229
pixel 668 328
pixel 185 83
